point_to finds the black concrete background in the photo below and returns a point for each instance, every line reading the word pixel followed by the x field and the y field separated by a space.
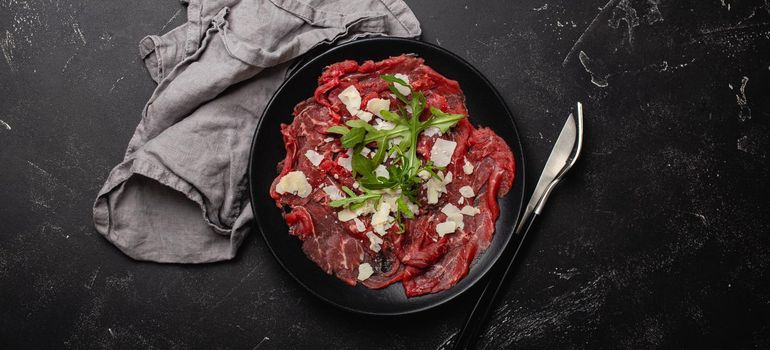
pixel 659 238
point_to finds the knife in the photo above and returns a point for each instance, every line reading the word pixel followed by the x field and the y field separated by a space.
pixel 563 156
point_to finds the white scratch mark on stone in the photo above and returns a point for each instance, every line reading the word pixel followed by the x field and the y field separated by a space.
pixel 591 26
pixel 260 343
pixel 230 292
pixel 111 332
pixel 67 64
pixel 6 45
pixel 600 81
pixel 76 29
pixel 116 84
pixel 39 169
pixel 541 8
pixel 697 215
pixel 511 324
pixel 5 125
pixel 92 278
pixel 448 342
pixel 745 112
pixel 625 12
pixel 481 42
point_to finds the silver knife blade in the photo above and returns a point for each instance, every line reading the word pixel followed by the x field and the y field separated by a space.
pixel 553 166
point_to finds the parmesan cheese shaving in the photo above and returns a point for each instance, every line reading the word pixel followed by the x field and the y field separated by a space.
pixel 365 271
pixel 295 183
pixel 314 157
pixel 351 98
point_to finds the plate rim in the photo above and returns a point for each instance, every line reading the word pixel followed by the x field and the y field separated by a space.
pixel 520 164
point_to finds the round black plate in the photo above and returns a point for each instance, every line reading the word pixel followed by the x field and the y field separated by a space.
pixel 486 108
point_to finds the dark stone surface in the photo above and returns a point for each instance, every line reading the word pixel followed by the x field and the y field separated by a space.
pixel 659 238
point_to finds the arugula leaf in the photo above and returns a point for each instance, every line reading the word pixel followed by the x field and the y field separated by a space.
pixel 442 120
pixel 354 137
pixel 358 123
pixel 417 104
pixel 390 116
pixel 399 130
pixel 338 129
pixel 362 165
pixel 348 191
pixel 403 169
pixel 379 156
pixel 354 198
pixel 392 79
pixel 403 208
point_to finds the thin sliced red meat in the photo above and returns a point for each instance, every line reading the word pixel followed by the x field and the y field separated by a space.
pixel 418 258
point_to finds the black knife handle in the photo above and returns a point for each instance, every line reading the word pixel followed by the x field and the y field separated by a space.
pixel 476 321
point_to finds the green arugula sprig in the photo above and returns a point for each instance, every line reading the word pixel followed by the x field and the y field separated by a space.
pixel 403 169
pixel 354 198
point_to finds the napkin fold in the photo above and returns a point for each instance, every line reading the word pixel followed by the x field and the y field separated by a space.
pixel 180 195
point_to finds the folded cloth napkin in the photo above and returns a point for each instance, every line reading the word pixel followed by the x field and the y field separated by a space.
pixel 180 194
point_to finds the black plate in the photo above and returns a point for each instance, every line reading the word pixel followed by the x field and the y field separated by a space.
pixel 486 108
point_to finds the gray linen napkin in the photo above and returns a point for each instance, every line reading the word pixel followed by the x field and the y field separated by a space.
pixel 180 194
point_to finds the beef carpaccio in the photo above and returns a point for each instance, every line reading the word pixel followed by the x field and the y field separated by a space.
pixel 366 235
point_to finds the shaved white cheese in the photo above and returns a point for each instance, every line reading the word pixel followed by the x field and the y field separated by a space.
pixel 390 197
pixel 470 211
pixel 432 131
pixel 346 163
pixel 294 182
pixel 377 105
pixel 374 241
pixel 450 210
pixel 441 153
pixel 423 174
pixel 333 192
pixel 454 214
pixel 380 217
pixel 467 167
pixel 328 139
pixel 365 271
pixel 447 179
pixel 314 157
pixel 346 215
pixel 461 200
pixel 446 228
pixel 381 171
pixel 351 99
pixel 381 229
pixel 356 185
pixel 365 151
pixel 467 191
pixel 380 124
pixel 404 90
pixel 364 115
pixel 360 227
pixel 433 189
pixel 366 209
